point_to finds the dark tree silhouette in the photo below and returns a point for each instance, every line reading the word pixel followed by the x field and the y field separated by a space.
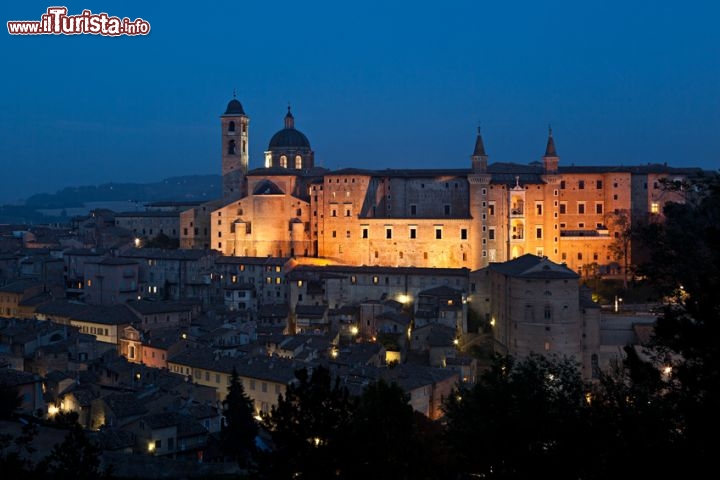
pixel 521 420
pixel 10 401
pixel 239 429
pixel 685 267
pixel 306 427
pixel 77 457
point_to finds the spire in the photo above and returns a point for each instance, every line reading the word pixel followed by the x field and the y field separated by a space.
pixel 479 146
pixel 289 119
pixel 550 150
pixel 550 159
pixel 479 157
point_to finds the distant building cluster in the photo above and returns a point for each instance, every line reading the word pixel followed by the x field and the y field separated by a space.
pixel 377 274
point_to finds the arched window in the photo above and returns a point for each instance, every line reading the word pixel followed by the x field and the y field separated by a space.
pixel 231 127
pixel 283 161
pixel 298 162
pixel 231 147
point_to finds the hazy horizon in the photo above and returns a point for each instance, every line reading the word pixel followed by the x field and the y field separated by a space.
pixel 372 85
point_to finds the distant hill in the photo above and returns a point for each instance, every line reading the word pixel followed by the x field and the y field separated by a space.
pixel 185 188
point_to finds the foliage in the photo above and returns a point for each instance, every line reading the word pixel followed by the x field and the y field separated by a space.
pixel 521 420
pixel 385 424
pixel 306 427
pixel 620 247
pixel 476 323
pixel 391 341
pixel 631 422
pixel 65 419
pixel 10 401
pixel 77 457
pixel 15 453
pixel 162 241
pixel 239 430
pixel 685 248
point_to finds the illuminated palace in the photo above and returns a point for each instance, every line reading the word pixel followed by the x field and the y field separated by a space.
pixel 448 218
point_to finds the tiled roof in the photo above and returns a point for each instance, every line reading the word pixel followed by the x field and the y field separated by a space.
pixel 124 404
pixel 159 253
pixel 149 307
pixel 105 314
pixel 14 378
pixel 532 266
pixel 19 286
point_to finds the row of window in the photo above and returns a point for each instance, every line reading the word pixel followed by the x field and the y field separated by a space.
pixel 581 210
pixel 581 184
pixel 412 232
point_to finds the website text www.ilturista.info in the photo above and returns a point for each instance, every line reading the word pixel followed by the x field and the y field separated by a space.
pixel 57 22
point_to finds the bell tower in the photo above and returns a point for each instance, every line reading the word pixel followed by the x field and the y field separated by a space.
pixel 234 126
pixel 479 184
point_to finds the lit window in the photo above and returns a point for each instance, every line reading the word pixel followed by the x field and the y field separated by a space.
pixel 654 208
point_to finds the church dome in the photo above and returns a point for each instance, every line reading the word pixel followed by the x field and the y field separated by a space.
pixel 288 138
pixel 234 107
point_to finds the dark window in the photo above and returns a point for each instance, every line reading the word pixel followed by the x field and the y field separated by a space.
pixel 581 185
pixel 598 184
pixel 562 184
pixel 463 233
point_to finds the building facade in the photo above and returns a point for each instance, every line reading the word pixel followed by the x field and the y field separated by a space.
pixel 444 218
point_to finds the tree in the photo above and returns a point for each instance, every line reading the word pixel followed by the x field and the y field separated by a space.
pixel 523 419
pixel 15 452
pixel 685 268
pixel 239 429
pixel 306 427
pixel 10 401
pixel 621 225
pixel 383 422
pixel 632 425
pixel 65 419
pixel 77 458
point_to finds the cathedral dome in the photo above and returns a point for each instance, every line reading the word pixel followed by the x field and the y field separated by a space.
pixel 288 138
pixel 234 107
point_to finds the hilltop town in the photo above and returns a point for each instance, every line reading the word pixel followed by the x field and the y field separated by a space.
pixel 136 320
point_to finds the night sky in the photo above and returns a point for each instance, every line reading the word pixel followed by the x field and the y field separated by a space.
pixel 371 85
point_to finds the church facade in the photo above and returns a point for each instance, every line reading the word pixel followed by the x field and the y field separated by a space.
pixel 443 218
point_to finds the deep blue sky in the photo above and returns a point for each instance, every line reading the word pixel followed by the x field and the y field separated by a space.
pixel 371 85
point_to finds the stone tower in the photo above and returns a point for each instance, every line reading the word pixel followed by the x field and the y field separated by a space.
pixel 479 182
pixel 234 131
